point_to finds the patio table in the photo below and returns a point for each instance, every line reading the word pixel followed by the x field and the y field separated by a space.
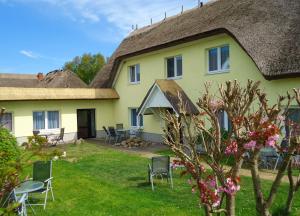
pixel 122 132
pixel 27 187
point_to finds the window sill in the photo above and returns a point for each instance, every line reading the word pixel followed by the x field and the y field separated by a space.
pixel 174 78
pixel 47 131
pixel 134 83
pixel 217 72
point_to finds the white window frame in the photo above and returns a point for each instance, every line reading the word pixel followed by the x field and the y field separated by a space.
pixel 46 120
pixel 219 69
pixel 137 119
pixel 12 121
pixel 175 67
pixel 135 72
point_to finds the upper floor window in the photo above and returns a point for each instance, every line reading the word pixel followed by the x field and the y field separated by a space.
pixel 218 59
pixel 6 121
pixel 134 74
pixel 174 67
pixel 45 120
pixel 135 119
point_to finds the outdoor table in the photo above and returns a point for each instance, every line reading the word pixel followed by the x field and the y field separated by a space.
pixel 122 132
pixel 27 187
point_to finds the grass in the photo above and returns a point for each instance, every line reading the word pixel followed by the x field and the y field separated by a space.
pixel 98 181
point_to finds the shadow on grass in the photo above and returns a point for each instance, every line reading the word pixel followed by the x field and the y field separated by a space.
pixel 136 178
pixel 280 212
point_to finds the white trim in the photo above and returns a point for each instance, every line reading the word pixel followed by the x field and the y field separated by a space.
pixel 138 126
pixel 135 72
pixel 219 66
pixel 142 110
pixel 175 77
pixel 46 129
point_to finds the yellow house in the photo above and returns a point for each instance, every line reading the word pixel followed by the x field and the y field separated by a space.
pixel 219 41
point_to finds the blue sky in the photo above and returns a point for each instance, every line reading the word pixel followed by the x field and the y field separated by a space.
pixel 40 35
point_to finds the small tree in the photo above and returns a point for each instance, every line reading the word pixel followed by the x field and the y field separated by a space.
pixel 255 125
pixel 86 66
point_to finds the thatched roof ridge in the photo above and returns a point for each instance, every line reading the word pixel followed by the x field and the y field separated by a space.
pixel 268 30
pixel 53 79
pixel 24 94
pixel 62 79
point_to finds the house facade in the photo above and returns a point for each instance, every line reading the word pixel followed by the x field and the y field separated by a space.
pixel 220 41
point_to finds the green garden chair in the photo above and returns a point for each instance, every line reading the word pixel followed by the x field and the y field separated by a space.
pixel 160 166
pixel 42 171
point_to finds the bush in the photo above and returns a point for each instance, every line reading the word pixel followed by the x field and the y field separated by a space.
pixel 9 150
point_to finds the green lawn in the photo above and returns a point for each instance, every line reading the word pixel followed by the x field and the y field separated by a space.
pixel 98 181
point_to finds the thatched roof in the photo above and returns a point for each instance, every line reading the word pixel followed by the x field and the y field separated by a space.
pixel 171 90
pixel 268 30
pixel 18 80
pixel 53 79
pixel 62 79
pixel 23 94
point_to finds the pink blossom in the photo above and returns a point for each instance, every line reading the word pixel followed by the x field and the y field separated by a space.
pixel 230 187
pixel 193 190
pixel 280 118
pixel 232 148
pixel 271 142
pixel 250 145
pixel 264 119
pixel 215 104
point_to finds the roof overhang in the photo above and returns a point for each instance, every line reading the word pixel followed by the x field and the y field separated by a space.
pixel 164 94
pixel 23 94
pixel 154 101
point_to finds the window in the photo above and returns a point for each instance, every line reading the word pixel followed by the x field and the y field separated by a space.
pixel 218 59
pixel 174 67
pixel 134 74
pixel 135 120
pixel 293 122
pixel 224 121
pixel 45 120
pixel 6 121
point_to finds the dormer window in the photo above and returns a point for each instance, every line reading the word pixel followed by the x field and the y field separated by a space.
pixel 174 67
pixel 134 74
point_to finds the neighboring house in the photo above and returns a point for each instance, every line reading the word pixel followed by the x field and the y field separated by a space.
pixel 60 99
pixel 222 40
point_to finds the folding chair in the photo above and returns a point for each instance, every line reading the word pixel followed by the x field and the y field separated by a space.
pixel 42 171
pixel 12 198
pixel 160 166
pixel 59 138
pixel 107 137
pixel 113 134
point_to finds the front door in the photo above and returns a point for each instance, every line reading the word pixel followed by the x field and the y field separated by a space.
pixel 86 127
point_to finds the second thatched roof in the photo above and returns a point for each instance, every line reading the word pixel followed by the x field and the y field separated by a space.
pixel 268 30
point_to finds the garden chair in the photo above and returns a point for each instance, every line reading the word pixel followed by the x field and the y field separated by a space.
pixel 268 157
pixel 107 137
pixel 58 139
pixel 160 166
pixel 12 198
pixel 119 126
pixel 42 171
pixel 113 135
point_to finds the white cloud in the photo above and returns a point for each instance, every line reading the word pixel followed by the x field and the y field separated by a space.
pixel 29 54
pixel 121 14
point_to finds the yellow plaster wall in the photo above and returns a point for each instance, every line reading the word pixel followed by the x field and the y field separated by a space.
pixel 23 120
pixel 194 57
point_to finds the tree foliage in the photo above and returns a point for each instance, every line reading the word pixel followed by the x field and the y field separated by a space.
pixel 86 66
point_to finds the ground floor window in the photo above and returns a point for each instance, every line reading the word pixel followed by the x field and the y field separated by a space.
pixel 293 122
pixel 6 121
pixel 135 119
pixel 225 123
pixel 45 120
